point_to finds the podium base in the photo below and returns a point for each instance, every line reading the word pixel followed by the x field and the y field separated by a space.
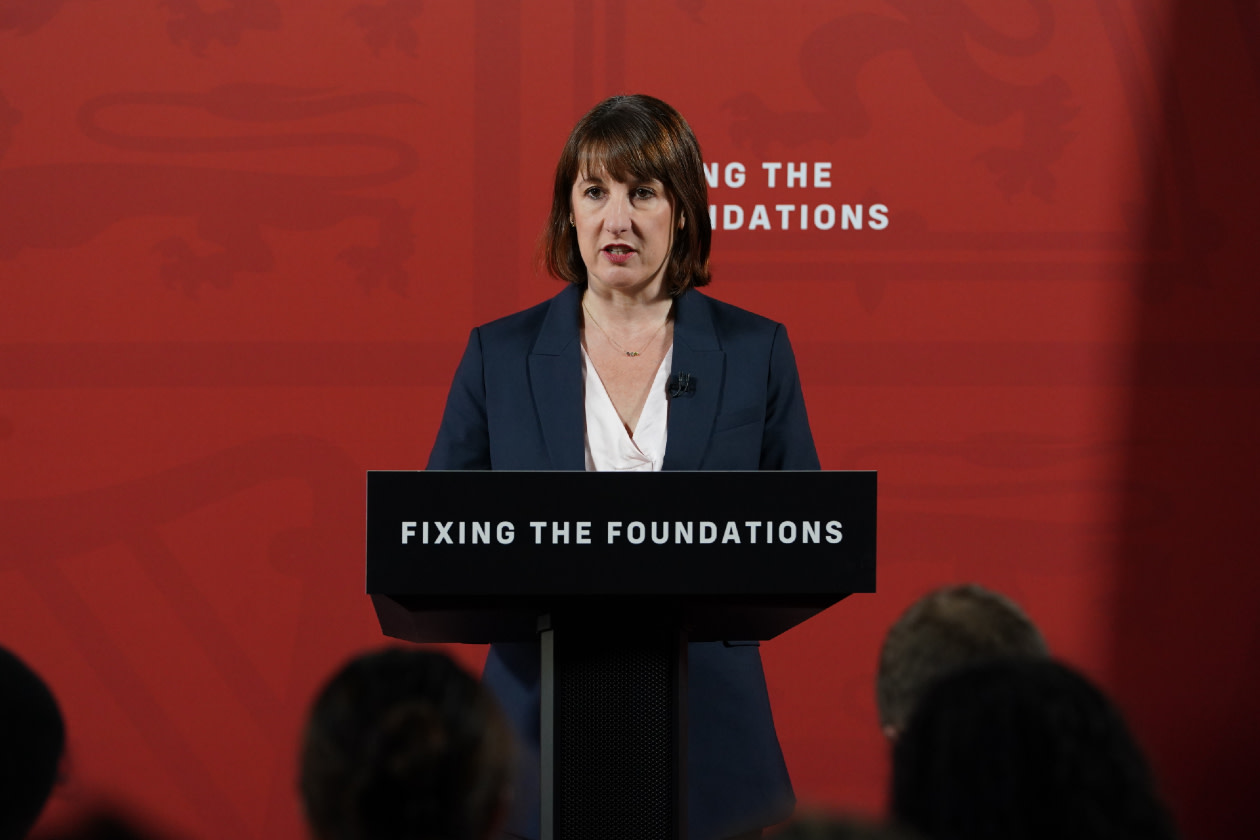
pixel 613 731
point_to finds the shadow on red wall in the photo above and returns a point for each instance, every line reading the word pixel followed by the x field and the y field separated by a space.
pixel 1186 656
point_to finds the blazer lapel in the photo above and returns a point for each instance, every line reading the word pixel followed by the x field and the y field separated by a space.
pixel 555 380
pixel 697 354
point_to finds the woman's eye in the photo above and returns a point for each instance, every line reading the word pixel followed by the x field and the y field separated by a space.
pixel 643 192
pixel 594 192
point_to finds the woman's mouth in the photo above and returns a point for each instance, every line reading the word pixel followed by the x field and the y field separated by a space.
pixel 618 254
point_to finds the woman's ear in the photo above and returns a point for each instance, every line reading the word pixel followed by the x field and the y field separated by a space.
pixel 682 221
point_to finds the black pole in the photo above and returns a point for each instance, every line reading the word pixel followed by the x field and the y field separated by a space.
pixel 613 728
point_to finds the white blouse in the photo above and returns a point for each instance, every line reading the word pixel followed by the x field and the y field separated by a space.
pixel 608 444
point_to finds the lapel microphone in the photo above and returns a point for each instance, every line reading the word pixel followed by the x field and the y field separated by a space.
pixel 681 383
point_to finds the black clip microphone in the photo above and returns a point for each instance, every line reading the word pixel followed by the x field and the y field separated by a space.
pixel 680 384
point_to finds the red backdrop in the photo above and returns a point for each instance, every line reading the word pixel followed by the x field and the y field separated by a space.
pixel 242 243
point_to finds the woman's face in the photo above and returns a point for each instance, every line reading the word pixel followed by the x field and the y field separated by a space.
pixel 624 232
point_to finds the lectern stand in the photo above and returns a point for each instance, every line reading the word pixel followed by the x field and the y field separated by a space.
pixel 612 595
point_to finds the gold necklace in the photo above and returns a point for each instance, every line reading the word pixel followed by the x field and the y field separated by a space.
pixel 609 338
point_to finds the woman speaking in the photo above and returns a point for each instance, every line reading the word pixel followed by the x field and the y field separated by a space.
pixel 631 368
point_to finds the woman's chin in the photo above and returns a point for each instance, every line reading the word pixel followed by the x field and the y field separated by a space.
pixel 624 280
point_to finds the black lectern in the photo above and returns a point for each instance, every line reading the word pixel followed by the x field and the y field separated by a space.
pixel 613 573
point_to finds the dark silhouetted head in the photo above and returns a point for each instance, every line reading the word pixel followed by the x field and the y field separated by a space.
pixel 948 628
pixel 1023 749
pixel 842 827
pixel 404 743
pixel 32 741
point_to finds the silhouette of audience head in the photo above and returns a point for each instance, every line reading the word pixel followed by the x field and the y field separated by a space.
pixel 842 827
pixel 32 740
pixel 101 821
pixel 948 628
pixel 404 743
pixel 1023 749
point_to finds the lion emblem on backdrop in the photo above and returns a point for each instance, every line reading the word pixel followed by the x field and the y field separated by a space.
pixel 940 37
pixel 70 203
pixel 388 24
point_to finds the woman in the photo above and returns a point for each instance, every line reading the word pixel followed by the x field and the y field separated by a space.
pixel 583 381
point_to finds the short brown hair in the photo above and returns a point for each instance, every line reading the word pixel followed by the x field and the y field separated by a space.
pixel 948 628
pixel 634 137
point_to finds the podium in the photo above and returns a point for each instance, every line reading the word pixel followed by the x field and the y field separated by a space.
pixel 612 574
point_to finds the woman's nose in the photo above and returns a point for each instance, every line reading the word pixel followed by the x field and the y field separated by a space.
pixel 617 219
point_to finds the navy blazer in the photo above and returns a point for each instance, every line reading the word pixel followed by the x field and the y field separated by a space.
pixel 517 403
